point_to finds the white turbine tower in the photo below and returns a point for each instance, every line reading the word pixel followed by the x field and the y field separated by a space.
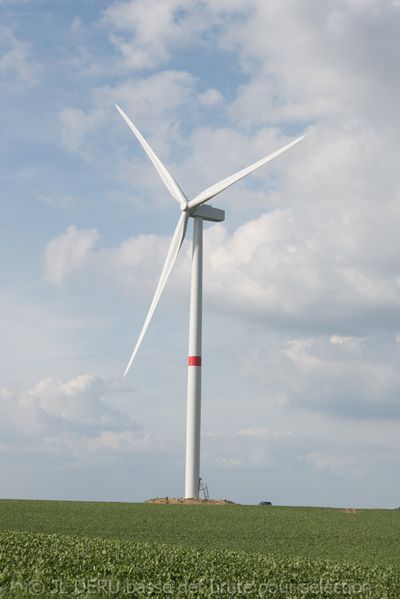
pixel 197 210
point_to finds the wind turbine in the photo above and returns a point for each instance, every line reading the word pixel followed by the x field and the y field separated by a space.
pixel 197 209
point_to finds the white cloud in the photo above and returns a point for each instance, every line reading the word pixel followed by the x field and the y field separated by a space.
pixel 252 432
pixel 76 125
pixel 349 344
pixel 327 65
pixel 77 402
pixel 274 267
pixel 156 97
pixel 211 97
pixel 57 200
pixel 76 417
pixel 334 462
pixel 146 31
pixel 134 265
pixel 16 58
pixel 153 104
pixel 68 253
pixel 348 380
pixel 118 443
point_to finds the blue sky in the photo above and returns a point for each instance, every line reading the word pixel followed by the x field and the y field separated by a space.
pixel 302 281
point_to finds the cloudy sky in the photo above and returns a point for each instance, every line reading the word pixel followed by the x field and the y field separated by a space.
pixel 301 392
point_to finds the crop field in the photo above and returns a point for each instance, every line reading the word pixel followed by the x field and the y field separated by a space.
pixel 85 549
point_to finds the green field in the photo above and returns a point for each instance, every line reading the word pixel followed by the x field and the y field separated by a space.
pixel 276 551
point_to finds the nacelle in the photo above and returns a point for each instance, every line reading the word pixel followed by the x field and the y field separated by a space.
pixel 210 213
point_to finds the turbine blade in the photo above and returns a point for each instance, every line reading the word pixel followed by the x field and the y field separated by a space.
pixel 212 191
pixel 165 176
pixel 172 254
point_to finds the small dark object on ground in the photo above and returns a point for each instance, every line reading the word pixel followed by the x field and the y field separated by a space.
pixel 265 503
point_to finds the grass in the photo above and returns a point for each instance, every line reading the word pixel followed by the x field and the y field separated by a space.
pixel 53 565
pixel 365 537
pixel 102 549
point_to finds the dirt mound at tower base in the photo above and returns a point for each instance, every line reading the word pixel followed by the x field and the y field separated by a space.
pixel 182 500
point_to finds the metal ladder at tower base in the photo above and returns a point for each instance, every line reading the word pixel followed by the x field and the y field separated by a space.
pixel 203 489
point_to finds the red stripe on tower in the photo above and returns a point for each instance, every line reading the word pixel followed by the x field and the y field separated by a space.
pixel 194 361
